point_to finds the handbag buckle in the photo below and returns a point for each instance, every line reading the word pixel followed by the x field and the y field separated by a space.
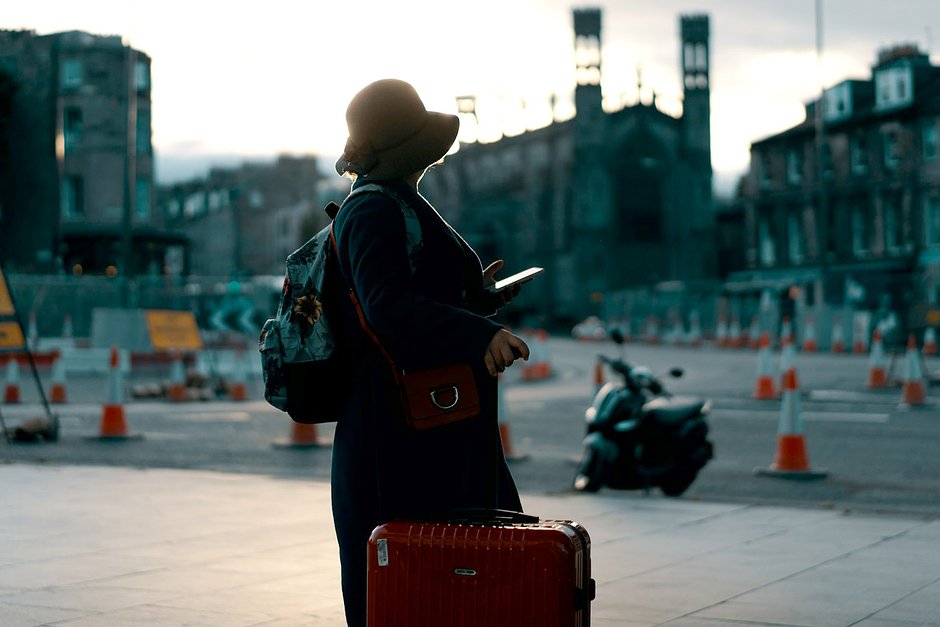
pixel 446 389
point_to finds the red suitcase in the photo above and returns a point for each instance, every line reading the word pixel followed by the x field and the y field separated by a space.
pixel 492 569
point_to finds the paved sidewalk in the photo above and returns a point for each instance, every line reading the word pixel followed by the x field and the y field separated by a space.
pixel 116 546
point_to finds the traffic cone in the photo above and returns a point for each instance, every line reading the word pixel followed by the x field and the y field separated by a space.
pixel 11 391
pixel 598 377
pixel 877 375
pixel 626 327
pixel 786 330
pixel 753 335
pixel 912 391
pixel 301 436
pixel 838 339
pixel 113 425
pixel 652 330
pixel 695 330
pixel 538 366
pixel 58 393
pixel 930 342
pixel 764 389
pixel 858 340
pixel 238 388
pixel 678 333
pixel 787 357
pixel 735 340
pixel 721 333
pixel 791 460
pixel 809 336
pixel 505 434
pixel 176 389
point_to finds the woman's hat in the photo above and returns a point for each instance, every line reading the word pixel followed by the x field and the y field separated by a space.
pixel 391 134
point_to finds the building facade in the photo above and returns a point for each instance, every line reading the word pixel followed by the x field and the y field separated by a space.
pixel 604 201
pixel 244 221
pixel 77 189
pixel 845 206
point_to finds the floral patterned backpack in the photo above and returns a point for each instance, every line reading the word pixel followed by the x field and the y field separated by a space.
pixel 302 369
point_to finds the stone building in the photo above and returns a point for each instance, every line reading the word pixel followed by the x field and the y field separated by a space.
pixel 850 216
pixel 76 189
pixel 604 201
pixel 244 221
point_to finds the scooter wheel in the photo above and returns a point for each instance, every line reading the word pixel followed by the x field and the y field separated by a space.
pixel 590 474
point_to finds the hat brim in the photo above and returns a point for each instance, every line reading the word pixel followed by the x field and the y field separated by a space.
pixel 418 152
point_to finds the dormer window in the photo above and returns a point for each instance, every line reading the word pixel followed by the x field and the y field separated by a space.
pixel 894 87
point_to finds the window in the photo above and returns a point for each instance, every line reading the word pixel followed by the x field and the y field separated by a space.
pixel 763 170
pixel 72 200
pixel 794 238
pixel 143 133
pixel 828 170
pixel 929 140
pixel 892 224
pixel 932 219
pixel 768 248
pixel 71 75
pixel 72 123
pixel 890 145
pixel 893 88
pixel 858 148
pixel 860 228
pixel 794 166
pixel 142 76
pixel 142 208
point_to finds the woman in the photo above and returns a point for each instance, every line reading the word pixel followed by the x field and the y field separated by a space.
pixel 428 309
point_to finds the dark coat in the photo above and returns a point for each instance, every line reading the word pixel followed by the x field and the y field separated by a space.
pixel 381 470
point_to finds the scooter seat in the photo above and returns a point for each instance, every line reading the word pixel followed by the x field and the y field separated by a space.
pixel 672 411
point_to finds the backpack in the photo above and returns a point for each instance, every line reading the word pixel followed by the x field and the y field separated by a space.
pixel 303 369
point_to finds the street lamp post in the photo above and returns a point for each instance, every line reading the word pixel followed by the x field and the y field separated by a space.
pixel 822 230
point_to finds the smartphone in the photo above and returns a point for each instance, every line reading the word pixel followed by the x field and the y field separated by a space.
pixel 516 279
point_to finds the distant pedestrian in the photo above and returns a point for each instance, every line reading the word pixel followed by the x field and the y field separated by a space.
pixel 428 310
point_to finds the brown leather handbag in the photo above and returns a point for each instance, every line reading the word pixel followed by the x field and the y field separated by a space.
pixel 430 398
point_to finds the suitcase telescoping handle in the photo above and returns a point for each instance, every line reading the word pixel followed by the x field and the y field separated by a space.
pixel 483 515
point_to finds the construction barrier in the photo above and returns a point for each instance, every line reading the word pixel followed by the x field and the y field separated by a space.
pixel 764 388
pixel 11 390
pixel 505 433
pixel 238 386
pixel 912 389
pixel 176 388
pixel 113 425
pixel 877 361
pixel 809 335
pixel 301 436
pixel 791 460
pixel 58 392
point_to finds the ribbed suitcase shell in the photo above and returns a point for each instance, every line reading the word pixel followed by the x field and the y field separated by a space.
pixel 480 575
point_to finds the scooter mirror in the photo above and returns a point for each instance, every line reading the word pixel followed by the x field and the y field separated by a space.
pixel 676 372
pixel 616 335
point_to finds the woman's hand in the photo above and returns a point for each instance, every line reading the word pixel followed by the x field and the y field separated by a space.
pixel 503 298
pixel 503 350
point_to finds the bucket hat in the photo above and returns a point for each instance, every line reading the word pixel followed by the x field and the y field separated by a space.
pixel 392 134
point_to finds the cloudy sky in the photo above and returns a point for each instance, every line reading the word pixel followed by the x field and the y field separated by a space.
pixel 253 79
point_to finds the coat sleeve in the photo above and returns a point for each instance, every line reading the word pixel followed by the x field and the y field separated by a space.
pixel 416 330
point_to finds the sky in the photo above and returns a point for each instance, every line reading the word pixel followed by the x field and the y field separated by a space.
pixel 250 80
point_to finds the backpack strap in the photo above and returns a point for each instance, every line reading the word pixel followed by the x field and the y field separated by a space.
pixel 414 239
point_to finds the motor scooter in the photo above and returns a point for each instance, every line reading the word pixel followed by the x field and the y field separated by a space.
pixel 639 436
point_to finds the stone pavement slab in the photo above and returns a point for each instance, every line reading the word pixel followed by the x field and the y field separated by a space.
pixel 103 546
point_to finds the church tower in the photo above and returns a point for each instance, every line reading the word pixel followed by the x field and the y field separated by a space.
pixel 696 89
pixel 587 93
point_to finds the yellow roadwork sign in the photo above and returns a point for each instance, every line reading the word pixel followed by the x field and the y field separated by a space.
pixel 6 303
pixel 173 330
pixel 11 336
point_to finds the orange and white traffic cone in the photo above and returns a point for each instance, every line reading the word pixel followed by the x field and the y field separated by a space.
pixel 678 333
pixel 58 393
pixel 764 389
pixel 11 391
pixel 791 460
pixel 809 336
pixel 176 388
pixel 912 390
pixel 238 388
pixel 859 340
pixel 505 433
pixel 301 436
pixel 735 339
pixel 538 366
pixel 695 330
pixel 877 374
pixel 652 330
pixel 838 338
pixel 113 425
pixel 599 378
pixel 753 335
pixel 786 330
pixel 721 333
pixel 930 341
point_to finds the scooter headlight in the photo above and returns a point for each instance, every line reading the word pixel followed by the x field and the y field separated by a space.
pixel 706 408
